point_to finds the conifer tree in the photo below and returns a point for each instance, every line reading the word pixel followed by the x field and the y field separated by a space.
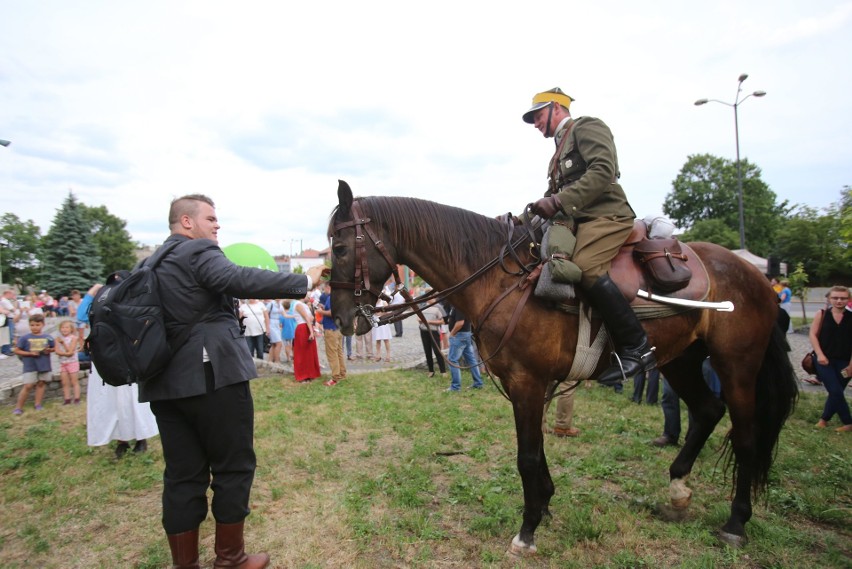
pixel 69 255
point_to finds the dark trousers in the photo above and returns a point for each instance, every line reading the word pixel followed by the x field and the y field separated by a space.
pixel 835 384
pixel 671 412
pixel 429 347
pixel 208 442
pixel 255 346
pixel 653 379
pixel 397 328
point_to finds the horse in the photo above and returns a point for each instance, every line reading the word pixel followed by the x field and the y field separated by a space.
pixel 370 236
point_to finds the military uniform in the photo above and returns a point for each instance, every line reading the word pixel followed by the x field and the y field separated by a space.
pixel 583 190
pixel 583 174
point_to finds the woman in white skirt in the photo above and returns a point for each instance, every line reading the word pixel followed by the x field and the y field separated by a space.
pixel 115 414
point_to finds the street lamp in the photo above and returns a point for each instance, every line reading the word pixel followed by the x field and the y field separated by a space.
pixel 737 102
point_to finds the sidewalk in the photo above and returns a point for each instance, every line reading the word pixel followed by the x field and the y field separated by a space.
pixel 406 353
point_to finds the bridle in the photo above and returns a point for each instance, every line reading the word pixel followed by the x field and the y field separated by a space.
pixel 361 282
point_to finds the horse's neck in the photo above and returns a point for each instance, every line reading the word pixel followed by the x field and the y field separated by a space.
pixel 435 267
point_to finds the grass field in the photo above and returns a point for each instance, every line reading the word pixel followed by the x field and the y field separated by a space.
pixel 389 471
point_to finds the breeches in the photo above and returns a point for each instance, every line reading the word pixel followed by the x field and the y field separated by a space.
pixel 207 443
pixel 598 242
pixel 564 408
pixel 334 353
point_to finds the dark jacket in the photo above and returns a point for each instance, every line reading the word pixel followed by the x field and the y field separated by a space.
pixel 198 285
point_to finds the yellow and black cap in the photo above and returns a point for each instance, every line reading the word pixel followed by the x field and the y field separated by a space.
pixel 544 98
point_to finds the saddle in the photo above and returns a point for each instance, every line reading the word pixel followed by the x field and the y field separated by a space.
pixel 663 266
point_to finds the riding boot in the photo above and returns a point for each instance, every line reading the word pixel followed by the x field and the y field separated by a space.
pixel 184 548
pixel 230 549
pixel 632 349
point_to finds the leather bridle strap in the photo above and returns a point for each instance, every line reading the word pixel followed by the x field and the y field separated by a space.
pixel 362 266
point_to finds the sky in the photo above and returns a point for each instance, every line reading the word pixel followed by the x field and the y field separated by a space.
pixel 264 105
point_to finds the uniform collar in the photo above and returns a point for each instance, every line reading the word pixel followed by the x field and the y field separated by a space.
pixel 560 130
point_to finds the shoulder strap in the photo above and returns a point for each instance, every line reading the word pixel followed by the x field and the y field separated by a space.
pixel 154 260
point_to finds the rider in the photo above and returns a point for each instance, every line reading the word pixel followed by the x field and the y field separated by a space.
pixel 583 187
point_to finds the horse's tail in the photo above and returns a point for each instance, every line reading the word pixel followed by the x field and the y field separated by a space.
pixel 777 393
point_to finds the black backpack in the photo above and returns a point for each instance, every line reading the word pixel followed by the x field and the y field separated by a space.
pixel 127 341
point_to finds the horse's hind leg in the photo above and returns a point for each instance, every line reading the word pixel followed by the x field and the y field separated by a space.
pixel 532 466
pixel 684 375
pixel 742 439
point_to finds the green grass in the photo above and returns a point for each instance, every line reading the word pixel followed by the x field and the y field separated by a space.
pixel 390 471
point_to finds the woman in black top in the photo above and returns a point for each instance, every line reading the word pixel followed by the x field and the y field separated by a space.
pixel 831 338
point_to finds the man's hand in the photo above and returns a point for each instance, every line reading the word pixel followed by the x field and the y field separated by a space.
pixel 317 272
pixel 547 207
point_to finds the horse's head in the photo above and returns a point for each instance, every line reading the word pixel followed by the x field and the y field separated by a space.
pixel 360 262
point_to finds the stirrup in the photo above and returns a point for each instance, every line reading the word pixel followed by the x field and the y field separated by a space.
pixel 641 359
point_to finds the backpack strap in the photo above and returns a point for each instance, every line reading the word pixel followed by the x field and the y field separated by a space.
pixel 152 263
pixel 154 260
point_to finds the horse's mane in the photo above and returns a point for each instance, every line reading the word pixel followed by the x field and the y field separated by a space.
pixel 466 237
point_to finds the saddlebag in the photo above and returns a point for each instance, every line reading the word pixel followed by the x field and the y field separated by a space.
pixel 664 264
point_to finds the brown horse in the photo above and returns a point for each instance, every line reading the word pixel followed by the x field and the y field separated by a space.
pixel 445 245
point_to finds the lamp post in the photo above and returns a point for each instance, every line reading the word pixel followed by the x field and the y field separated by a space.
pixel 737 102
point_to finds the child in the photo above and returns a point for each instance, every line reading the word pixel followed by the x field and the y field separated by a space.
pixel 34 348
pixel 69 365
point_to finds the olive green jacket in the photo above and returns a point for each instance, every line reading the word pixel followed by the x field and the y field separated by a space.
pixel 584 172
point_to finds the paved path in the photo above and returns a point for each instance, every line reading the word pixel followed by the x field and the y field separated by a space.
pixel 406 353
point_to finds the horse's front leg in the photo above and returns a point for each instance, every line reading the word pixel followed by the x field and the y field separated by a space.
pixel 532 466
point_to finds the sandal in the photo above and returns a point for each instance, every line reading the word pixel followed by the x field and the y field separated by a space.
pixel 812 381
pixel 430 374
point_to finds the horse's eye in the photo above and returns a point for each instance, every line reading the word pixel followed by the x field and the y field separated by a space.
pixel 340 251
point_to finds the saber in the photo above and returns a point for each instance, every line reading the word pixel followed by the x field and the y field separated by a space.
pixel 726 306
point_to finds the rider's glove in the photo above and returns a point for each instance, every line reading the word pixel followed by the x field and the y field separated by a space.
pixel 547 207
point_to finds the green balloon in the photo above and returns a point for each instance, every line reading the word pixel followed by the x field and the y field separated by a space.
pixel 250 255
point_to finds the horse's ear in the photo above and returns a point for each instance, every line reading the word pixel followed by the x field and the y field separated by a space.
pixel 344 196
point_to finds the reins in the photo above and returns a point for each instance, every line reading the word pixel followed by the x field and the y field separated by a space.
pixel 411 306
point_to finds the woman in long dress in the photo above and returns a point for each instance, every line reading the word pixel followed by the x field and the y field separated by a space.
pixel 305 356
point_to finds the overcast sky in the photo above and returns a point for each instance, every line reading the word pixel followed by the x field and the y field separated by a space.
pixel 264 105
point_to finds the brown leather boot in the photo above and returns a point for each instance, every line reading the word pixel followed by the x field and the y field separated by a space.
pixel 230 549
pixel 184 548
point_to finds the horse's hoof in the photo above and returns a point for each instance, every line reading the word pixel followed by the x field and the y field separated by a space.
pixel 733 540
pixel 681 503
pixel 520 549
pixel 679 494
pixel 669 514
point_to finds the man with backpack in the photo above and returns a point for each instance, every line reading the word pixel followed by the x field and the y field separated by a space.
pixel 202 399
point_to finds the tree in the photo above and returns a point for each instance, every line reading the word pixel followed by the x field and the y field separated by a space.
pixel 706 189
pixel 19 243
pixel 114 244
pixel 69 255
pixel 798 281
pixel 713 231
pixel 822 242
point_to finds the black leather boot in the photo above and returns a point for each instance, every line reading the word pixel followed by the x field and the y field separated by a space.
pixel 230 549
pixel 631 342
pixel 184 548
